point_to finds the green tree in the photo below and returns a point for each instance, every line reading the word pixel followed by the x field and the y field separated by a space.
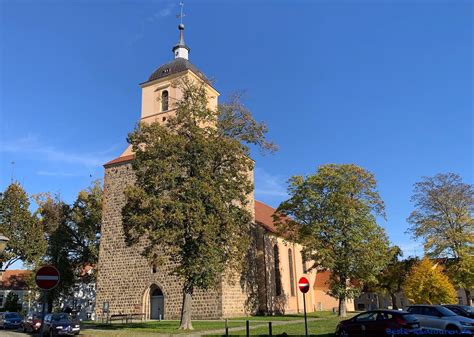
pixel 12 303
pixel 333 214
pixel 85 226
pixel 26 242
pixel 73 234
pixel 394 275
pixel 55 218
pixel 427 284
pixel 190 202
pixel 443 219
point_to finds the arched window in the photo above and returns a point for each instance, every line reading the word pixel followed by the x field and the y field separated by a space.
pixel 292 275
pixel 164 100
pixel 276 258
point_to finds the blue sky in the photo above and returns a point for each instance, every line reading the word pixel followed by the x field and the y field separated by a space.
pixel 383 84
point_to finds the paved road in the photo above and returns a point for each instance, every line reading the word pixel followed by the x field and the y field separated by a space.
pixel 12 333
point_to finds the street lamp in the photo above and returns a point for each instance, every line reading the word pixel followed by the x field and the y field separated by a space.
pixel 3 242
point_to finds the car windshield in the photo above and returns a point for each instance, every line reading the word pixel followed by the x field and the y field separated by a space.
pixel 445 311
pixel 409 317
pixel 467 308
pixel 60 317
pixel 12 315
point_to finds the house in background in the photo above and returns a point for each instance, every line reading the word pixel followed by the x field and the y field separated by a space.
pixel 322 299
pixel 14 281
pixel 82 301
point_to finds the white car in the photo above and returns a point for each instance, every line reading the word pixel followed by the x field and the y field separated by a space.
pixel 437 317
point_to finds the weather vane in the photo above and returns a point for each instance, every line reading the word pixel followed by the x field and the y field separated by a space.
pixel 181 15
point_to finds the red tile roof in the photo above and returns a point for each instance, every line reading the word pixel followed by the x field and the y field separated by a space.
pixel 322 280
pixel 14 279
pixel 264 216
pixel 119 160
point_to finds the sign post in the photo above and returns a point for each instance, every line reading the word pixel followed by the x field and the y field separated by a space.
pixel 47 278
pixel 303 285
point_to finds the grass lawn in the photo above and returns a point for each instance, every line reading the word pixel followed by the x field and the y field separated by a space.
pixel 166 327
pixel 290 317
pixel 324 327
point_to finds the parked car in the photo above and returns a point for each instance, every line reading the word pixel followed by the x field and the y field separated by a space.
pixel 378 323
pixel 10 320
pixel 60 325
pixel 461 310
pixel 440 318
pixel 31 323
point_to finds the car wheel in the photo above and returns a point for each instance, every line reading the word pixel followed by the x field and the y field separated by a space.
pixel 452 329
pixel 343 333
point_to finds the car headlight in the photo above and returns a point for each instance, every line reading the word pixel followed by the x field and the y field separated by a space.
pixel 59 327
pixel 37 323
pixel 77 325
pixel 466 323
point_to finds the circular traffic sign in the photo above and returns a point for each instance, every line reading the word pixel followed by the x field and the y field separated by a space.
pixel 303 284
pixel 47 278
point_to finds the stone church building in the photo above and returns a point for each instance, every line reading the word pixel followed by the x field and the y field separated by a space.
pixel 127 284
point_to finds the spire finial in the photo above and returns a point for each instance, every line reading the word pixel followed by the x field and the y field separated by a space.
pixel 181 15
pixel 181 50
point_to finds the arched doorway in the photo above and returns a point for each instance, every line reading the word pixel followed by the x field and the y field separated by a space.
pixel 157 303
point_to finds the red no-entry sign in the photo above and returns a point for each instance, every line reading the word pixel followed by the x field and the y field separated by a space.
pixel 47 278
pixel 303 284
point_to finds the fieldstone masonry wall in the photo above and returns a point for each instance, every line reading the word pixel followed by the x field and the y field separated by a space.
pixel 125 277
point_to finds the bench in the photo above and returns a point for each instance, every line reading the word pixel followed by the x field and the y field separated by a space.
pixel 125 317
pixel 118 317
pixel 131 317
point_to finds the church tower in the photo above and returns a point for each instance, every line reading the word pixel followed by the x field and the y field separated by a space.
pixel 160 93
pixel 126 283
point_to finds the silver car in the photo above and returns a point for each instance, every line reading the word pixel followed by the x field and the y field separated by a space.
pixel 440 318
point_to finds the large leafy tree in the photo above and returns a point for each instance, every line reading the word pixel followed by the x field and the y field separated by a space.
pixel 393 276
pixel 333 214
pixel 444 206
pixel 427 283
pixel 73 234
pixel 190 202
pixel 17 222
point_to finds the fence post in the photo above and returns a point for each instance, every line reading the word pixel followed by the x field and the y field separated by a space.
pixel 270 329
pixel 226 329
pixel 247 328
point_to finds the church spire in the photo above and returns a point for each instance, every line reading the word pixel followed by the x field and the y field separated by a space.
pixel 181 50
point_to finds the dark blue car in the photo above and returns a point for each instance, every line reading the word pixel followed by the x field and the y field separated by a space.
pixel 10 320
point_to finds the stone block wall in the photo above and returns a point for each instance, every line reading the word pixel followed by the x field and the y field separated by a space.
pixel 124 275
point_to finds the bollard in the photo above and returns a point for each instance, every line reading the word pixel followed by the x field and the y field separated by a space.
pixel 270 329
pixel 247 328
pixel 226 329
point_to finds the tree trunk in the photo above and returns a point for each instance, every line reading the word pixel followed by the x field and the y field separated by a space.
pixel 186 309
pixel 468 297
pixel 394 301
pixel 342 307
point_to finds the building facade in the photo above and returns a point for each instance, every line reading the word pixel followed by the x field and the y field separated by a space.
pixel 14 281
pixel 127 284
